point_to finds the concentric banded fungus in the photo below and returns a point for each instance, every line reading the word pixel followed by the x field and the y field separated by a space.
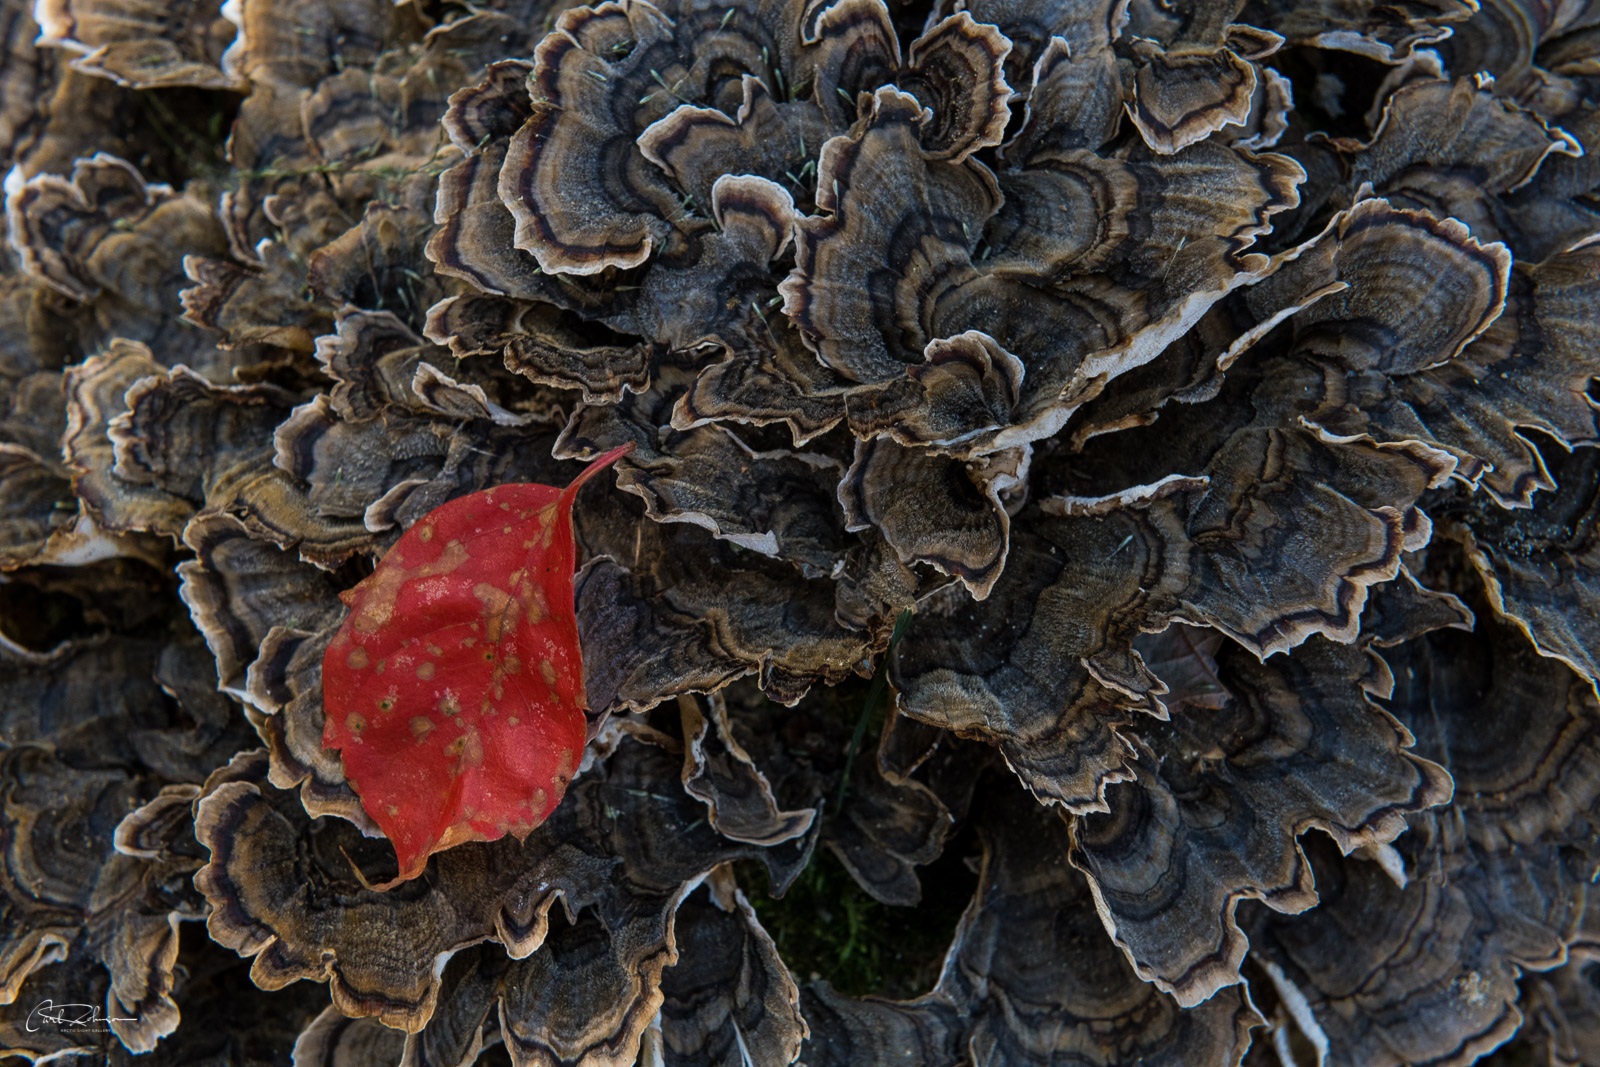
pixel 1554 548
pixel 729 993
pixel 1051 691
pixel 1099 372
pixel 891 488
pixel 68 894
pixel 1503 865
pixel 239 589
pixel 739 800
pixel 96 392
pixel 1031 908
pixel 31 488
pixel 1562 1003
pixel 108 238
pixel 145 45
pixel 584 197
pixel 582 855
pixel 1196 76
pixel 1217 794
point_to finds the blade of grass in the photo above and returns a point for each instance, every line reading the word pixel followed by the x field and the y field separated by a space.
pixel 880 681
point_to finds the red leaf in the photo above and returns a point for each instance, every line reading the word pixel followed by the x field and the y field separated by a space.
pixel 454 689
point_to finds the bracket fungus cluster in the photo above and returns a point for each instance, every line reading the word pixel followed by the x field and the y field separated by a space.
pixel 1213 386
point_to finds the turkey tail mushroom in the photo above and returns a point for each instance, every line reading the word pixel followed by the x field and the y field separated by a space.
pixel 1213 382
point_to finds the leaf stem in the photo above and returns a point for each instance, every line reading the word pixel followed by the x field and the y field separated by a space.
pixel 595 467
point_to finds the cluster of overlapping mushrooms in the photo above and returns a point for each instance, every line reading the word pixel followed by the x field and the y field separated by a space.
pixel 1213 382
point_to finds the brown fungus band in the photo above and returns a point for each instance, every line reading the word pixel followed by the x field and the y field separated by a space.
pixel 1106 571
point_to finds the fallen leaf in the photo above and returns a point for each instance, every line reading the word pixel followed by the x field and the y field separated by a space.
pixel 454 689
pixel 1184 658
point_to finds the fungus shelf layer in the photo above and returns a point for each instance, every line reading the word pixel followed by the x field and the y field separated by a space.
pixel 1213 386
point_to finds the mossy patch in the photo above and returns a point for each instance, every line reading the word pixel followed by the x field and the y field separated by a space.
pixel 826 926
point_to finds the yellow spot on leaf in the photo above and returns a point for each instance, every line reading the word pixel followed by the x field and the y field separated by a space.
pixel 548 670
pixel 500 611
pixel 355 722
pixel 421 726
pixel 358 659
pixel 450 705
pixel 382 587
pixel 425 671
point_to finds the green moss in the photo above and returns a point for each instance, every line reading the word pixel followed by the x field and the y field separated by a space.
pixel 190 128
pixel 826 927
